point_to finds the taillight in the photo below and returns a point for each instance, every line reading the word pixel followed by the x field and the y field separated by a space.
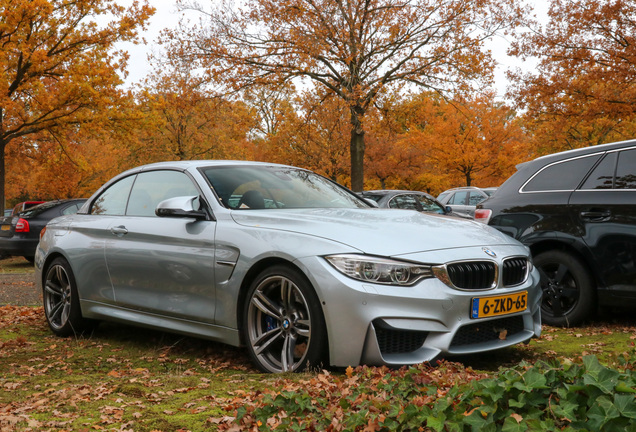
pixel 483 215
pixel 22 226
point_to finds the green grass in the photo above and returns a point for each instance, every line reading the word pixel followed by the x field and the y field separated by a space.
pixel 126 378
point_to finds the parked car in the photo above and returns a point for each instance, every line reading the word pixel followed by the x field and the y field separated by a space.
pixel 24 205
pixel 20 233
pixel 410 200
pixel 463 200
pixel 9 213
pixel 576 211
pixel 294 266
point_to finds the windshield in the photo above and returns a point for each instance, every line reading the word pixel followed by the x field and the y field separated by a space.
pixel 271 187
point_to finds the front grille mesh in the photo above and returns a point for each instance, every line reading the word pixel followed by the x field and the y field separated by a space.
pixel 515 271
pixel 488 331
pixel 393 341
pixel 473 275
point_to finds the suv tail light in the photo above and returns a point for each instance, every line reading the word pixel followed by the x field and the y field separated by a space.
pixel 483 215
pixel 22 226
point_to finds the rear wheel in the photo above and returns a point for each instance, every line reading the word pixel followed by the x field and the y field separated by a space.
pixel 568 289
pixel 283 322
pixel 61 301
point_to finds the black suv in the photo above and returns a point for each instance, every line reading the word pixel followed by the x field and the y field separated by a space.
pixel 576 210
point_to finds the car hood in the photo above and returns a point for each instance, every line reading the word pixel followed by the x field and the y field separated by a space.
pixel 378 231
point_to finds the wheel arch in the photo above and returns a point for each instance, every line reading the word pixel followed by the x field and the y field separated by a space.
pixel 252 273
pixel 551 245
pixel 48 260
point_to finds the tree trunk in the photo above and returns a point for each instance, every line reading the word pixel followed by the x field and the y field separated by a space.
pixel 357 149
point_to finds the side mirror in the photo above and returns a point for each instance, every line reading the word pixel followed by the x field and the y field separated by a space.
pixel 186 206
pixel 448 209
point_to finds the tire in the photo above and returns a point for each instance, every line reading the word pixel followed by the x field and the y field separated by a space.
pixel 284 328
pixel 61 301
pixel 569 294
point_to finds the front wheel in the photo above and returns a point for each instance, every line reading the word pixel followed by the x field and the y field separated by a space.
pixel 61 301
pixel 568 289
pixel 284 327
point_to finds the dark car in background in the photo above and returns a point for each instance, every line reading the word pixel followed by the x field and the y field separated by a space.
pixel 5 220
pixel 20 233
pixel 410 200
pixel 576 210
pixel 463 200
pixel 24 205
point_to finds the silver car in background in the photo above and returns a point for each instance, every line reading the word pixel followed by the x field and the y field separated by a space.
pixel 288 263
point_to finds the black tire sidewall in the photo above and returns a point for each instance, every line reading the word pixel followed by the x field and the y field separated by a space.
pixel 586 301
pixel 317 350
pixel 75 323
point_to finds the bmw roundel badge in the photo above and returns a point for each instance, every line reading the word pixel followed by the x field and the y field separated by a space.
pixel 489 252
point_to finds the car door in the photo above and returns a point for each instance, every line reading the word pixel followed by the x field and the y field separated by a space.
pixel 459 202
pixel 164 265
pixel 605 207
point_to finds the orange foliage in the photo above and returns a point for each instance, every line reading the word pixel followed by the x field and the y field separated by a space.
pixel 356 50
pixel 183 121
pixel 431 144
pixel 582 92
pixel 59 70
pixel 314 134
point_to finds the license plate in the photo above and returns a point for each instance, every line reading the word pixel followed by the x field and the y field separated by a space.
pixel 6 227
pixel 500 305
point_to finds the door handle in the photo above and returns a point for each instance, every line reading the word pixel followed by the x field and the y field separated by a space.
pixel 596 216
pixel 119 231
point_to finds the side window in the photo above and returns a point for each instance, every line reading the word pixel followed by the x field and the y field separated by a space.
pixel 602 176
pixel 429 205
pixel 113 200
pixel 561 176
pixel 626 170
pixel 475 198
pixel 71 209
pixel 403 202
pixel 152 187
pixel 460 198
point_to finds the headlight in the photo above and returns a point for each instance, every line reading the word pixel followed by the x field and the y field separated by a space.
pixel 379 270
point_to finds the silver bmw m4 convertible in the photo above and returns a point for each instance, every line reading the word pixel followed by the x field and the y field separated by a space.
pixel 295 267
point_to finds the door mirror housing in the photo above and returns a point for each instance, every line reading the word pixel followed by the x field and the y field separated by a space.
pixel 185 207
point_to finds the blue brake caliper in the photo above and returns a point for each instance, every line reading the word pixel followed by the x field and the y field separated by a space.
pixel 271 322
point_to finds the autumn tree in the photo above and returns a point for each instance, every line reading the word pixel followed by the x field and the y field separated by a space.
pixel 313 134
pixel 182 119
pixel 65 163
pixel 355 49
pixel 582 91
pixel 59 64
pixel 466 142
pixel 392 162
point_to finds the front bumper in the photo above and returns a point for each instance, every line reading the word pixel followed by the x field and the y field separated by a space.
pixel 387 325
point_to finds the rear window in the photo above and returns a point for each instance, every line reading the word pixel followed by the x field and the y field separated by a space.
pixel 39 209
pixel 625 170
pixel 603 175
pixel 561 176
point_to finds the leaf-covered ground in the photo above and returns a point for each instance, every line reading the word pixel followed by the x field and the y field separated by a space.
pixel 122 378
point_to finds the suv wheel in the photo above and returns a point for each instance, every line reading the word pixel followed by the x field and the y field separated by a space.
pixel 568 289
